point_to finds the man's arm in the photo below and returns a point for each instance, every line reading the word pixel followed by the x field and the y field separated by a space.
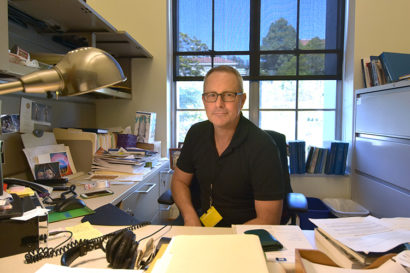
pixel 267 213
pixel 182 196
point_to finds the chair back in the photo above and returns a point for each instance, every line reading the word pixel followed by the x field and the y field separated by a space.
pixel 280 140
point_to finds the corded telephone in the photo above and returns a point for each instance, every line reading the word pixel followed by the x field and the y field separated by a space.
pixel 121 248
pixel 40 189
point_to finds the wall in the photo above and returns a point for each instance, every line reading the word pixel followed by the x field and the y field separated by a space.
pixel 66 112
pixel 322 186
pixel 380 26
pixel 146 22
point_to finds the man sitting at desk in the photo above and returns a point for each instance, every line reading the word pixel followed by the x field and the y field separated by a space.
pixel 235 163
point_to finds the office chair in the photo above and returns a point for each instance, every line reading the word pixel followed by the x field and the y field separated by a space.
pixel 293 203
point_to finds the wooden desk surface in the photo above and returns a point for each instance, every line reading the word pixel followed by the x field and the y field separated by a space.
pixel 96 258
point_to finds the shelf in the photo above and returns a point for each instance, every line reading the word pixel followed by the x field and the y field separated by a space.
pixel 58 26
pixel 74 20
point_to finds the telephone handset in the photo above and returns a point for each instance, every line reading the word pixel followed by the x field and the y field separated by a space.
pixel 40 189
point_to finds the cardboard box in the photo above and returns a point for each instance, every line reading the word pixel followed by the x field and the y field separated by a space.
pixel 155 146
pixel 145 126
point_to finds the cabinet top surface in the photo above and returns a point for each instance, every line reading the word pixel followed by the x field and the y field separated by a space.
pixel 390 86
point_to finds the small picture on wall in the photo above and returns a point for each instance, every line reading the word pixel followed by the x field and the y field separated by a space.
pixel 173 157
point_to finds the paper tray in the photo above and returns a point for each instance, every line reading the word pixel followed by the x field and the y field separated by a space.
pixel 318 257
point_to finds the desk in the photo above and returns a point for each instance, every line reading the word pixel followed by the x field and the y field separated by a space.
pixel 96 258
pixel 147 204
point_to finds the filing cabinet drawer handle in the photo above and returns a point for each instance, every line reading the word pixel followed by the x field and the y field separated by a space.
pixel 151 186
pixel 169 171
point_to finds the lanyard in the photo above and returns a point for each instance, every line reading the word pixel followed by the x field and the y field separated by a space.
pixel 211 198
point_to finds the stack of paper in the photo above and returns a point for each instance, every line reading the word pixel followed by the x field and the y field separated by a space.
pixel 118 161
pixel 354 242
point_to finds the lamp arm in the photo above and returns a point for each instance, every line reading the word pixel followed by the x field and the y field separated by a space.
pixel 11 87
pixel 37 82
pixel 42 81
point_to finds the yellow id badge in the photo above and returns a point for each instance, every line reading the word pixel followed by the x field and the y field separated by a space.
pixel 211 217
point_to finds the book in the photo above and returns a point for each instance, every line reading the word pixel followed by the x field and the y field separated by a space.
pixel 314 160
pixel 319 160
pixel 365 72
pixel 330 159
pixel 340 157
pixel 373 61
pixel 395 65
pixel 344 161
pixel 309 157
pixel 301 156
pixel 339 255
pixel 323 161
pixel 293 156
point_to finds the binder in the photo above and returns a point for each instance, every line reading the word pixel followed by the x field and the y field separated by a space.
pixel 395 65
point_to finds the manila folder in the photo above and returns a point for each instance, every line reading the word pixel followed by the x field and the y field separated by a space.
pixel 239 253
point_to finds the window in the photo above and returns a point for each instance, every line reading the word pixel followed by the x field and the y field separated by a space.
pixel 289 53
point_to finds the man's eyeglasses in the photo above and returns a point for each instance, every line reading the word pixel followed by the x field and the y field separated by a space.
pixel 226 96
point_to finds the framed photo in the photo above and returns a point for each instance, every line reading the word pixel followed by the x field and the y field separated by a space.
pixel 47 170
pixel 173 157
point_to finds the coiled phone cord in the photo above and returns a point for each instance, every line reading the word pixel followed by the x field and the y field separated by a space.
pixel 84 245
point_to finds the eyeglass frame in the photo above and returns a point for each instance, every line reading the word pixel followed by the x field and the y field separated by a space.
pixel 223 94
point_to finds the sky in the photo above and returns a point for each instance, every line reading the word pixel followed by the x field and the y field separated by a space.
pixel 232 19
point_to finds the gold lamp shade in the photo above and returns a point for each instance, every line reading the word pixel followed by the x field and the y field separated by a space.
pixel 80 71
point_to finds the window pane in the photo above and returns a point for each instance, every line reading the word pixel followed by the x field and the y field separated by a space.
pixel 193 65
pixel 189 95
pixel 317 64
pixel 278 64
pixel 316 126
pixel 246 90
pixel 280 121
pixel 194 25
pixel 278 24
pixel 312 26
pixel 240 62
pixel 318 24
pixel 317 94
pixel 277 94
pixel 232 25
pixel 185 119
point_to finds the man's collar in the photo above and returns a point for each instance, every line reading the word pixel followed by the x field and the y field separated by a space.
pixel 241 133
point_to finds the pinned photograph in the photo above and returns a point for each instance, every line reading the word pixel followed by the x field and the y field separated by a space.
pixel 10 123
pixel 34 115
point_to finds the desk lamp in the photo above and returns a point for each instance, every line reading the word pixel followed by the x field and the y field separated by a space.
pixel 80 71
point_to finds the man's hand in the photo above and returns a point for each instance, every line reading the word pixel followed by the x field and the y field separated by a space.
pixel 192 221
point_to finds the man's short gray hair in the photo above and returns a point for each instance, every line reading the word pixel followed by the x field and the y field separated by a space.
pixel 228 69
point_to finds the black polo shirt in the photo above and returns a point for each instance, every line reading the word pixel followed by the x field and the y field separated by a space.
pixel 249 169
